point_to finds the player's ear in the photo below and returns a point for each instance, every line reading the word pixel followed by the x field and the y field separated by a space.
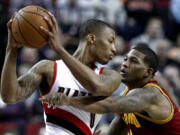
pixel 91 38
pixel 149 72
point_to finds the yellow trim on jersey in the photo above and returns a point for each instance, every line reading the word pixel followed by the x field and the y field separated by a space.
pixel 124 92
pixel 158 121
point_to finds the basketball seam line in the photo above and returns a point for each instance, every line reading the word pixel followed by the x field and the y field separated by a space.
pixel 33 27
pixel 32 13
pixel 22 33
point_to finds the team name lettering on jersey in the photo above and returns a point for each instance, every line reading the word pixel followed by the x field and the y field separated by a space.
pixel 75 92
pixel 130 118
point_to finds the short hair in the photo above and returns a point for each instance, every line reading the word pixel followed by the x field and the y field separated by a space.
pixel 151 58
pixel 92 26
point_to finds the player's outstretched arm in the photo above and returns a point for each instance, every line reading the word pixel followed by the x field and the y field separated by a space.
pixel 149 100
pixel 137 100
pixel 101 85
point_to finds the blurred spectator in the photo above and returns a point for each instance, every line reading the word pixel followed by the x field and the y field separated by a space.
pixel 173 74
pixel 69 15
pixel 174 52
pixel 111 11
pixel 140 10
pixel 15 113
pixel 121 46
pixel 162 46
pixel 154 31
pixel 18 4
pixel 163 80
pixel 174 18
pixel 29 56
pixel 138 13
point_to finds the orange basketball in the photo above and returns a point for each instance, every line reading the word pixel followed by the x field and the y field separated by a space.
pixel 26 26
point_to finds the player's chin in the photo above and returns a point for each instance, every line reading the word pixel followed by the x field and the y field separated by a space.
pixel 124 78
pixel 103 62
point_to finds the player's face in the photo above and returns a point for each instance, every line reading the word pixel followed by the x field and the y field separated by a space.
pixel 133 67
pixel 105 46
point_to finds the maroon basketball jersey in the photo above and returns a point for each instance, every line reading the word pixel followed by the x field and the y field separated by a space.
pixel 140 124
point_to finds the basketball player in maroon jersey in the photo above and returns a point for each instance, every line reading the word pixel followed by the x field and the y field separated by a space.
pixel 144 108
pixel 97 44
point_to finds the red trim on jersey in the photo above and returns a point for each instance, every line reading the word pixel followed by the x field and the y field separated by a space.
pixel 54 77
pixel 101 70
pixel 68 117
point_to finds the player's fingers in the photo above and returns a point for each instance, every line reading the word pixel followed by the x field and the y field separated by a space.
pixel 53 19
pixel 49 105
pixel 9 23
pixel 13 16
pixel 50 24
pixel 55 106
pixel 43 99
pixel 46 31
pixel 53 100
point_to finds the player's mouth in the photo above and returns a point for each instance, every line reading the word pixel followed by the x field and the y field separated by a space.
pixel 123 72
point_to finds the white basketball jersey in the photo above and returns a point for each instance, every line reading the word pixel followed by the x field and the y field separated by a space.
pixel 75 121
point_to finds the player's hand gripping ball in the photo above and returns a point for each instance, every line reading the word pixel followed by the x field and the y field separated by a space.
pixel 26 26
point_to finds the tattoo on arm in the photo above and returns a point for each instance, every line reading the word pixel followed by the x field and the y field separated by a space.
pixel 111 79
pixel 136 101
pixel 28 83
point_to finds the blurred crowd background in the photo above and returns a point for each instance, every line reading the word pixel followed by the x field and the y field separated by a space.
pixel 155 22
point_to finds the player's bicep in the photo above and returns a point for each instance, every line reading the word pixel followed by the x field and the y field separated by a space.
pixel 28 83
pixel 111 79
pixel 136 101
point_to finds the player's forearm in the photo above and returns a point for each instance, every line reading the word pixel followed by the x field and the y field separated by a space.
pixel 92 104
pixel 9 83
pixel 86 76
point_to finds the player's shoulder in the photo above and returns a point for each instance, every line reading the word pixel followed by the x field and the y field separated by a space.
pixel 153 89
pixel 111 72
pixel 107 70
pixel 43 66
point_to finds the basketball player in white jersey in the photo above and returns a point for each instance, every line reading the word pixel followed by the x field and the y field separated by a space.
pixel 75 75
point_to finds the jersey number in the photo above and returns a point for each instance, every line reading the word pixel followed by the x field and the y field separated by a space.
pixel 92 119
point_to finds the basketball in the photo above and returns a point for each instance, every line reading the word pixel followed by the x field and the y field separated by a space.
pixel 26 26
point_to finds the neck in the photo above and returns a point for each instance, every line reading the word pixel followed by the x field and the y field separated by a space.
pixel 83 54
pixel 137 84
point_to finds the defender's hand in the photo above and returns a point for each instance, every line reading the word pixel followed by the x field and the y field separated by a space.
pixel 55 99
